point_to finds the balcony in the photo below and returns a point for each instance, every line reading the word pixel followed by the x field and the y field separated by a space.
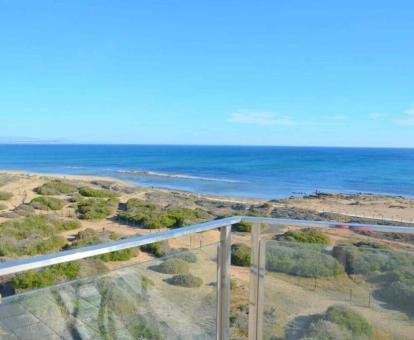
pixel 351 288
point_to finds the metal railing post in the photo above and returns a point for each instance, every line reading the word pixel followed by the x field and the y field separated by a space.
pixel 257 269
pixel 223 284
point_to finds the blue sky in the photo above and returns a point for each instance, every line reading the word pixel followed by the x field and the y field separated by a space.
pixel 334 73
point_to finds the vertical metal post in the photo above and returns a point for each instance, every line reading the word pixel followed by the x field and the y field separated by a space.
pixel 223 284
pixel 257 269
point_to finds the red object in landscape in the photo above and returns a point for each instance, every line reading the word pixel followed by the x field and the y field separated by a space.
pixel 360 228
pixel 342 227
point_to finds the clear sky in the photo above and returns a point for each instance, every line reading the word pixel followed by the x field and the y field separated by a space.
pixel 277 72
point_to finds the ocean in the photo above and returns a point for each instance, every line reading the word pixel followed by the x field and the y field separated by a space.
pixel 244 171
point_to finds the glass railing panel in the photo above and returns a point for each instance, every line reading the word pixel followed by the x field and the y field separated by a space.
pixel 354 288
pixel 172 297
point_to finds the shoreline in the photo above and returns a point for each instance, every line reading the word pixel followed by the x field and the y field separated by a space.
pixel 293 195
pixel 395 208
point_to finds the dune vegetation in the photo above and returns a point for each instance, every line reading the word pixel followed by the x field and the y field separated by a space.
pixel 56 187
pixel 151 216
pixel 47 203
pixel 186 280
pixel 97 208
pixel 97 193
pixel 51 275
pixel 89 237
pixel 33 235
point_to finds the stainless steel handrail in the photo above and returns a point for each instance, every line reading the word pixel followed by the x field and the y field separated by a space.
pixel 35 262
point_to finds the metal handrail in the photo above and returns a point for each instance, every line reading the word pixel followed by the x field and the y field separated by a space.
pixel 36 262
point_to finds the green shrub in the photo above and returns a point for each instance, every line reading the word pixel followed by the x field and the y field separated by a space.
pixel 185 255
pixel 120 255
pixel 5 196
pixel 97 208
pixel 46 203
pixel 33 235
pixel 52 275
pixel 301 260
pixel 97 193
pixel 141 329
pixel 186 280
pixel 398 288
pixel 307 235
pixel 338 322
pixel 89 237
pixel 158 249
pixel 240 255
pixel 173 266
pixel 152 217
pixel 56 187
pixel 369 261
pixel 350 319
pixel 242 227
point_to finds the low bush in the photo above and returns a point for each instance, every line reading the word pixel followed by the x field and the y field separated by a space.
pixel 56 187
pixel 350 319
pixel 301 260
pixel 3 206
pixel 308 235
pixel 185 255
pixel 46 203
pixel 152 217
pixel 5 196
pixel 97 193
pixel 33 235
pixel 240 255
pixel 90 236
pixel 46 277
pixel 242 227
pixel 172 266
pixel 398 288
pixel 120 255
pixel 158 249
pixel 338 322
pixel 141 329
pixel 97 208
pixel 186 280
pixel 369 261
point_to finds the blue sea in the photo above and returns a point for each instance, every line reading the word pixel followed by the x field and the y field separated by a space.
pixel 258 172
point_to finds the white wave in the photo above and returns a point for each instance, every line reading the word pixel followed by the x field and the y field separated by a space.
pixel 167 175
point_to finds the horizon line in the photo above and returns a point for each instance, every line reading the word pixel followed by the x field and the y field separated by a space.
pixel 201 145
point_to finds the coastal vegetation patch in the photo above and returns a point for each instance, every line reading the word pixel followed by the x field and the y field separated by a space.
pixel 150 216
pixel 172 266
pixel 242 227
pixel 392 272
pixel 56 187
pixel 338 322
pixel 158 249
pixel 47 203
pixel 186 280
pixel 97 208
pixel 97 193
pixel 307 235
pixel 33 235
pixel 90 236
pixel 240 255
pixel 50 276
pixel 184 254
pixel 305 260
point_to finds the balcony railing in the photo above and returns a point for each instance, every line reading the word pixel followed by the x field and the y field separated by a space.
pixel 295 289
